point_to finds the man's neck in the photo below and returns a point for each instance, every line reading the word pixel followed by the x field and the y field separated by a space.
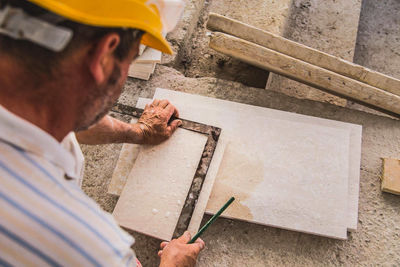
pixel 21 96
pixel 42 116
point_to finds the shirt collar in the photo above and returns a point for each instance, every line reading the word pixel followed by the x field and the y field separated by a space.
pixel 31 138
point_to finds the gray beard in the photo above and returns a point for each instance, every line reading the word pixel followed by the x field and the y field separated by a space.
pixel 106 94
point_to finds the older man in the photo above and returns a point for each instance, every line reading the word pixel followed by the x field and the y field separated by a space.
pixel 62 66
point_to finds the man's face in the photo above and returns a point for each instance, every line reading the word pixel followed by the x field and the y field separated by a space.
pixel 98 104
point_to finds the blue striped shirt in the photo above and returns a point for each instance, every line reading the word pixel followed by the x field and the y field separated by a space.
pixel 46 219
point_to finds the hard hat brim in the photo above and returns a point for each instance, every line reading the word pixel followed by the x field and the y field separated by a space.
pixel 157 42
pixel 114 14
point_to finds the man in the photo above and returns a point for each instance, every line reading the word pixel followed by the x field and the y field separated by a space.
pixel 62 66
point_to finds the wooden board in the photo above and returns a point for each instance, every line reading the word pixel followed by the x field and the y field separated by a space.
pixel 208 110
pixel 304 72
pixel 304 53
pixel 158 184
pixel 391 176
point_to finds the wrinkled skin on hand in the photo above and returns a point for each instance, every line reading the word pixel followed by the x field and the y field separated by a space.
pixel 178 253
pixel 154 122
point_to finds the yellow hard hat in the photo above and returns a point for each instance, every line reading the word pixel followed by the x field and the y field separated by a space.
pixel 154 17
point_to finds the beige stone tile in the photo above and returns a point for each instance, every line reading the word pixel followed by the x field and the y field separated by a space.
pixel 205 193
pixel 354 152
pixel 149 55
pixel 158 184
pixel 208 110
pixel 141 70
pixel 125 162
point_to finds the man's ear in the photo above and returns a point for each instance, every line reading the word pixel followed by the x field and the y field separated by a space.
pixel 101 60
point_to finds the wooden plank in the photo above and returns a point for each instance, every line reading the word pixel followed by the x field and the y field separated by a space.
pixel 391 176
pixel 307 73
pixel 293 49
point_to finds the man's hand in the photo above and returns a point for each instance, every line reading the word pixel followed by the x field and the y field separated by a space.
pixel 154 122
pixel 151 128
pixel 178 253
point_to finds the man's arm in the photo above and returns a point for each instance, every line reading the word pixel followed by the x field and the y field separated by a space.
pixel 151 128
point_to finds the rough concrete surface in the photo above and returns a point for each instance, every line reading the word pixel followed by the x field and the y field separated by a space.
pixel 201 61
pixel 329 26
pixel 180 37
pixel 378 41
pixel 236 243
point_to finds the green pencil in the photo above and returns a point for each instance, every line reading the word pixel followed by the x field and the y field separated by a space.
pixel 213 218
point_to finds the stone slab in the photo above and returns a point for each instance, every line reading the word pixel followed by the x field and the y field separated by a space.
pixel 145 64
pixel 149 55
pixel 391 176
pixel 141 71
pixel 194 111
pixel 237 243
pixel 158 184
pixel 126 160
pixel 208 182
pixel 355 143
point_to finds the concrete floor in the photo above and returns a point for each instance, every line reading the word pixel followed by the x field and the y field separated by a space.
pixel 236 243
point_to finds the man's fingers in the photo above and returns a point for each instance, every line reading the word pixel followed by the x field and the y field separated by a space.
pixel 172 111
pixel 159 253
pixel 185 238
pixel 176 112
pixel 147 106
pixel 164 103
pixel 156 102
pixel 201 243
pixel 163 244
pixel 173 126
pixel 160 121
pixel 197 247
